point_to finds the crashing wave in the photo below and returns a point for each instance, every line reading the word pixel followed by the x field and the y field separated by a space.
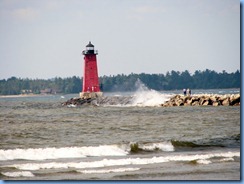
pixel 81 152
pixel 142 97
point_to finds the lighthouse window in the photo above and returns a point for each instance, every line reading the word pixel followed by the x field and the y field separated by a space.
pixel 90 48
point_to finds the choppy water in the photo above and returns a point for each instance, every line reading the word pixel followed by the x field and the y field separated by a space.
pixel 42 140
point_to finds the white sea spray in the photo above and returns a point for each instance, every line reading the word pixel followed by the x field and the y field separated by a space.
pixel 147 97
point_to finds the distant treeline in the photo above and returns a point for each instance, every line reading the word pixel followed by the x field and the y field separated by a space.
pixel 206 79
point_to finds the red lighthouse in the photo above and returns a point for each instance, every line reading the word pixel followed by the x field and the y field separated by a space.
pixel 91 86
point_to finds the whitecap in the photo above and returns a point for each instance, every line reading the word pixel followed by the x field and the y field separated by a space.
pixel 65 152
pixel 103 171
pixel 203 161
pixel 18 174
pixel 201 158
pixel 163 146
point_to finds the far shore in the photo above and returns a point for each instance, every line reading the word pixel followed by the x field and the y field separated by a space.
pixel 22 95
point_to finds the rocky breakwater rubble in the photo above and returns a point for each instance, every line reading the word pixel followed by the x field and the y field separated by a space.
pixel 104 100
pixel 203 100
pixel 141 99
pixel 73 102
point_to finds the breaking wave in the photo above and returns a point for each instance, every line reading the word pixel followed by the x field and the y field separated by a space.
pixel 191 158
pixel 122 149
pixel 81 152
pixel 147 97
pixel 143 97
pixel 18 174
pixel 232 141
pixel 102 171
pixel 151 147
pixel 66 152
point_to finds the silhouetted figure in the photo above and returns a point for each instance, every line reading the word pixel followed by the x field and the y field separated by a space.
pixel 184 91
pixel 188 92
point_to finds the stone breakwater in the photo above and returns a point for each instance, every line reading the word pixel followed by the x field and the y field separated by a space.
pixel 103 100
pixel 176 100
pixel 203 100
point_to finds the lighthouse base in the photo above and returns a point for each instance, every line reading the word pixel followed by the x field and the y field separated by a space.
pixel 86 95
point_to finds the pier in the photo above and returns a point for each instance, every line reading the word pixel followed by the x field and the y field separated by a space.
pixel 203 100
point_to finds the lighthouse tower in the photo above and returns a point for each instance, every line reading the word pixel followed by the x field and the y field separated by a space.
pixel 91 88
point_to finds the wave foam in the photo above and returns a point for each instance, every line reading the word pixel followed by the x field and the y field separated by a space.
pixel 202 159
pixel 18 174
pixel 80 152
pixel 165 146
pixel 66 152
pixel 103 171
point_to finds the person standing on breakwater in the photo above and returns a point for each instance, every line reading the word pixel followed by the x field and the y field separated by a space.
pixel 184 91
pixel 188 92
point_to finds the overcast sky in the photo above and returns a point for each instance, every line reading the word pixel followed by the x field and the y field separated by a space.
pixel 45 38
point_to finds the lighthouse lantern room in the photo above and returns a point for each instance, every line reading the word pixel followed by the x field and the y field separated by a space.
pixel 91 87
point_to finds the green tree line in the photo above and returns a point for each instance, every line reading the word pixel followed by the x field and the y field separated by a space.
pixel 206 79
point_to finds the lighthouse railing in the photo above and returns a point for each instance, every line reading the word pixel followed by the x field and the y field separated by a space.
pixel 84 52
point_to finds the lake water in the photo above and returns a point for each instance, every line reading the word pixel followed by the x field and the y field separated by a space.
pixel 42 140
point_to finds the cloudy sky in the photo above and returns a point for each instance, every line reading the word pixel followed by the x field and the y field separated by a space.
pixel 45 38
